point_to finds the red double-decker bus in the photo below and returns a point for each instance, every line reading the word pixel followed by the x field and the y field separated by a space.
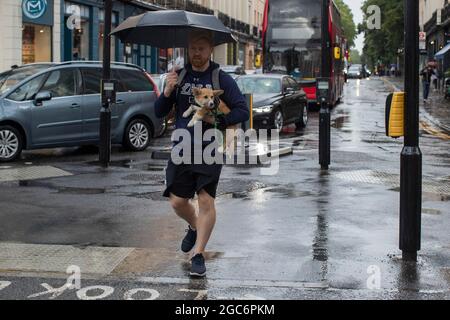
pixel 292 43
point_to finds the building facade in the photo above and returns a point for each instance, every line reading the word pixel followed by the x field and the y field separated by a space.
pixel 434 21
pixel 64 30
pixel 61 30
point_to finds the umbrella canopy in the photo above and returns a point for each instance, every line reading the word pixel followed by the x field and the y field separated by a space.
pixel 170 28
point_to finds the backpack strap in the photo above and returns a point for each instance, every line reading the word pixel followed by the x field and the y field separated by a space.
pixel 216 79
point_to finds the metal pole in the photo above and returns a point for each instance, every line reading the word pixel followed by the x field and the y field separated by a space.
pixel 411 156
pixel 324 116
pixel 105 111
pixel 325 70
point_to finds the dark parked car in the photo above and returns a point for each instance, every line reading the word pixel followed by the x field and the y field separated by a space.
pixel 278 100
pixel 58 104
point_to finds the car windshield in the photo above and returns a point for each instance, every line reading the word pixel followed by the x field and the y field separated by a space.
pixel 11 78
pixel 259 85
pixel 355 68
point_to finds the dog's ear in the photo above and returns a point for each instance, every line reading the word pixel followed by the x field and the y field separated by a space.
pixel 217 93
pixel 196 91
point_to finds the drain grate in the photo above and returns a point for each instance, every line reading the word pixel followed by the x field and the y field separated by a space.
pixel 157 178
pixel 31 173
pixel 392 180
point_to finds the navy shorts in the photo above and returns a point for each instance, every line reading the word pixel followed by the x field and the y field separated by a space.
pixel 184 180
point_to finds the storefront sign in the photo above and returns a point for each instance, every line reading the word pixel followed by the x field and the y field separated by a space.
pixel 37 11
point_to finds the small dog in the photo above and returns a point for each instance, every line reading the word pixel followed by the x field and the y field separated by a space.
pixel 204 98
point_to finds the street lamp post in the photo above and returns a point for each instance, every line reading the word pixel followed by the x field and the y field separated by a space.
pixel 324 116
pixel 108 91
pixel 411 156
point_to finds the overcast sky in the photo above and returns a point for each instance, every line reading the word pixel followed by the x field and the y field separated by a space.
pixel 355 5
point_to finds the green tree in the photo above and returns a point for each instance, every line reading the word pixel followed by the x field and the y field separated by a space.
pixel 347 22
pixel 355 57
pixel 381 46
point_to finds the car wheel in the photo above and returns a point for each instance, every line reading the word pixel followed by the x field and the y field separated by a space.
pixel 303 121
pixel 11 143
pixel 137 135
pixel 278 120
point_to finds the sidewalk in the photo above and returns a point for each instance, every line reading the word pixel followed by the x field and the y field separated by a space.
pixel 436 111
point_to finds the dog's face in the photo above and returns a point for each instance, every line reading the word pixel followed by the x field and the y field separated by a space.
pixel 205 97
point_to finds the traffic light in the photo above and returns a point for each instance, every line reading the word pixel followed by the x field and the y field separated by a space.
pixel 258 60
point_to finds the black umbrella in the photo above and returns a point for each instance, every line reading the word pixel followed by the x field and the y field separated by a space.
pixel 170 28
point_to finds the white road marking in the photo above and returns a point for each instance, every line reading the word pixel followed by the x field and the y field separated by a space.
pixel 4 284
pixel 55 292
pixel 82 294
pixel 130 293
pixel 201 294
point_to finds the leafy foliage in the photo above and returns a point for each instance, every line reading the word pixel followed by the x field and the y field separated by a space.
pixel 381 46
pixel 347 22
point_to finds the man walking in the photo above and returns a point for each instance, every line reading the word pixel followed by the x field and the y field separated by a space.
pixel 426 74
pixel 184 180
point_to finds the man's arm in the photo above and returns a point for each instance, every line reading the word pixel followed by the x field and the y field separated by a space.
pixel 166 100
pixel 164 105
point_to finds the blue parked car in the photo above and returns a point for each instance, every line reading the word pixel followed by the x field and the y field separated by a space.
pixel 47 105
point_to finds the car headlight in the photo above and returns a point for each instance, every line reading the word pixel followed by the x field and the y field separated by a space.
pixel 264 109
pixel 358 73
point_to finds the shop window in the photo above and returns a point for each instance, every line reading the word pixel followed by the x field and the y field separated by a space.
pixel 80 50
pixel 36 43
pixel 61 83
pixel 77 30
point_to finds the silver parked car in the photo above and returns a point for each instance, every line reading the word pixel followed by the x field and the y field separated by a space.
pixel 48 105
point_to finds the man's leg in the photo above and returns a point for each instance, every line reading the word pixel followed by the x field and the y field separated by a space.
pixel 184 209
pixel 205 221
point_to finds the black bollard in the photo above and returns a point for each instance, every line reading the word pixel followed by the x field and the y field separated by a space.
pixel 107 93
pixel 324 136
pixel 411 156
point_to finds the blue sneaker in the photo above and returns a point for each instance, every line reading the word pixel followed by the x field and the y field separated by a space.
pixel 198 268
pixel 189 240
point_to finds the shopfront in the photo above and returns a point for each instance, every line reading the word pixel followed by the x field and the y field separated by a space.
pixel 84 31
pixel 37 23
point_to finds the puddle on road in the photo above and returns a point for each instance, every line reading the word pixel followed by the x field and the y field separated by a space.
pixel 288 193
pixel 87 191
pixel 154 178
pixel 433 212
pixel 436 197
pixel 24 183
pixel 429 196
pixel 155 196
pixel 141 165
pixel 340 122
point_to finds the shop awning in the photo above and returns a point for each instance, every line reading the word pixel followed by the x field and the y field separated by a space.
pixel 441 53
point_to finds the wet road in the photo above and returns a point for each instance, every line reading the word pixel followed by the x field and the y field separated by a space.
pixel 300 234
